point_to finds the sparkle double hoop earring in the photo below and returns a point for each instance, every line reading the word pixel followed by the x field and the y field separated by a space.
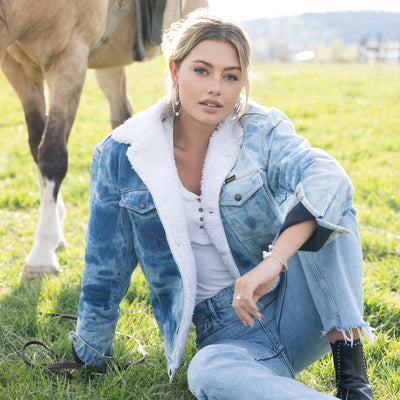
pixel 176 101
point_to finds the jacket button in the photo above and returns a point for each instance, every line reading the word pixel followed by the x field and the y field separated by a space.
pixel 238 197
pixel 142 206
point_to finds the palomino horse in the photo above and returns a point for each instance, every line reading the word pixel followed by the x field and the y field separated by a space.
pixel 57 41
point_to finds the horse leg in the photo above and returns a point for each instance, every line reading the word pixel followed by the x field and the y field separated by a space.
pixel 28 84
pixel 112 82
pixel 4 31
pixel 65 77
pixel 49 236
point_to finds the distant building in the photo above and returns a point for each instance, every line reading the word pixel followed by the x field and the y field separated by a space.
pixel 375 50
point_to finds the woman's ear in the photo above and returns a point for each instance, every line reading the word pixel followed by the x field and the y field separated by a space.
pixel 174 72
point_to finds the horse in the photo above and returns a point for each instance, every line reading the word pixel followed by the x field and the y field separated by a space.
pixel 55 42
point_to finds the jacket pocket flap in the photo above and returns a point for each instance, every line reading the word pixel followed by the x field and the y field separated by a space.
pixel 139 201
pixel 236 192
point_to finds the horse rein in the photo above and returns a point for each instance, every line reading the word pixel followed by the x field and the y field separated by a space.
pixel 71 369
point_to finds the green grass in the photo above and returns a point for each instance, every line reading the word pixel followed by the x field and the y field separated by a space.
pixel 349 110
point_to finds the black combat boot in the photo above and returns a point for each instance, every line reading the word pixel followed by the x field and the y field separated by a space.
pixel 351 371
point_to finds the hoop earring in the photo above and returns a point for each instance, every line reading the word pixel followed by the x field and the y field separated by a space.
pixel 176 101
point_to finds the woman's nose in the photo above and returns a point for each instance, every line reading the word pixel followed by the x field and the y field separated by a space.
pixel 215 88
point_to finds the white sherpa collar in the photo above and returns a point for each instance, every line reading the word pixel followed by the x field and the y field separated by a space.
pixel 151 156
pixel 222 153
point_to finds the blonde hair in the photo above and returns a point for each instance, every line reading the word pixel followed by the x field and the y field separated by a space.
pixel 198 26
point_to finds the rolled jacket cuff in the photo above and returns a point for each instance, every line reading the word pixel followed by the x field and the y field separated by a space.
pixel 299 213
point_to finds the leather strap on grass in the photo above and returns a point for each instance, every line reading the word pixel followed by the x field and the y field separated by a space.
pixel 71 369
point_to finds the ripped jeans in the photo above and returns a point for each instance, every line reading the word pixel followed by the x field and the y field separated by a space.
pixel 320 292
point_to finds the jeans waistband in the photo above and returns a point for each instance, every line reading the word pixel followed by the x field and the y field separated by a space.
pixel 222 298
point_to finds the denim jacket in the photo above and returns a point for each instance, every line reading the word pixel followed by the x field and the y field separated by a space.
pixel 256 171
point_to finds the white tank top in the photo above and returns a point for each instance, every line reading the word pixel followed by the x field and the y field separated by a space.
pixel 212 274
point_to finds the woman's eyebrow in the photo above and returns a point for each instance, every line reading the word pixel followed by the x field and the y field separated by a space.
pixel 210 65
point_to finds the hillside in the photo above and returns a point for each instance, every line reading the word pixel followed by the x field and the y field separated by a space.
pixel 281 37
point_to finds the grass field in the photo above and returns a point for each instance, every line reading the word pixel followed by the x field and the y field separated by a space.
pixel 352 111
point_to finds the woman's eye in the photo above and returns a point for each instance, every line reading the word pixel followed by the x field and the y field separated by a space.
pixel 231 77
pixel 200 71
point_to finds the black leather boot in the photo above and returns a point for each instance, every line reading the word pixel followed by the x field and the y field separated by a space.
pixel 351 371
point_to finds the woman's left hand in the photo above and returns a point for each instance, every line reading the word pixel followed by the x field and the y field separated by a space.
pixel 252 286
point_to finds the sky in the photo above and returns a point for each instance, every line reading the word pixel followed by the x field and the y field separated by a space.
pixel 250 9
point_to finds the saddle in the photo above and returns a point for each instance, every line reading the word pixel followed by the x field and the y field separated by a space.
pixel 149 21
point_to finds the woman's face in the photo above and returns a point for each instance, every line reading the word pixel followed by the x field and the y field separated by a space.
pixel 210 81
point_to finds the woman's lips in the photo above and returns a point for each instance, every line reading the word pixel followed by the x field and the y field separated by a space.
pixel 211 106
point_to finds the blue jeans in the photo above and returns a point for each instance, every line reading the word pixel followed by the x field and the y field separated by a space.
pixel 320 291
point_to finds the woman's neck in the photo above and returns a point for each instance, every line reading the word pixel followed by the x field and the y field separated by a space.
pixel 191 134
pixel 190 149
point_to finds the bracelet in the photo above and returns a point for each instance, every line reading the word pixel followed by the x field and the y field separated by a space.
pixel 282 260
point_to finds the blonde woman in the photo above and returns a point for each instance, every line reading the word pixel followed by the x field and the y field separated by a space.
pixel 238 225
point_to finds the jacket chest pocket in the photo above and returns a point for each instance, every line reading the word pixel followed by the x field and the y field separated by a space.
pixel 148 230
pixel 248 208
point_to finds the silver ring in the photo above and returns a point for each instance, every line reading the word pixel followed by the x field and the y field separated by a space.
pixel 239 297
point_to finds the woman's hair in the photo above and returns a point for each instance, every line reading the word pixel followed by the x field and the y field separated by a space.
pixel 198 26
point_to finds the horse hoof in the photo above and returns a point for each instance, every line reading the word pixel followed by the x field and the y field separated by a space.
pixel 37 264
pixel 60 245
pixel 33 272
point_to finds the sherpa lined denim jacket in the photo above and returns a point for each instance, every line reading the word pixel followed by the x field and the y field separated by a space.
pixel 256 172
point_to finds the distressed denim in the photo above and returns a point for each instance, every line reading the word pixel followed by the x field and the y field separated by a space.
pixel 319 292
pixel 273 171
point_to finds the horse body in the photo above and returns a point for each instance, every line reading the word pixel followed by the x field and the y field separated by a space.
pixel 51 41
pixel 30 25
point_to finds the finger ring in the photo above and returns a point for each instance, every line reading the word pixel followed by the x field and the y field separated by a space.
pixel 239 297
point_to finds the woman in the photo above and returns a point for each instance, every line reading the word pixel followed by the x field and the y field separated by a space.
pixel 194 189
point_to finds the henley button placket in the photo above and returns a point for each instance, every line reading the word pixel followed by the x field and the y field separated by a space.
pixel 201 212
